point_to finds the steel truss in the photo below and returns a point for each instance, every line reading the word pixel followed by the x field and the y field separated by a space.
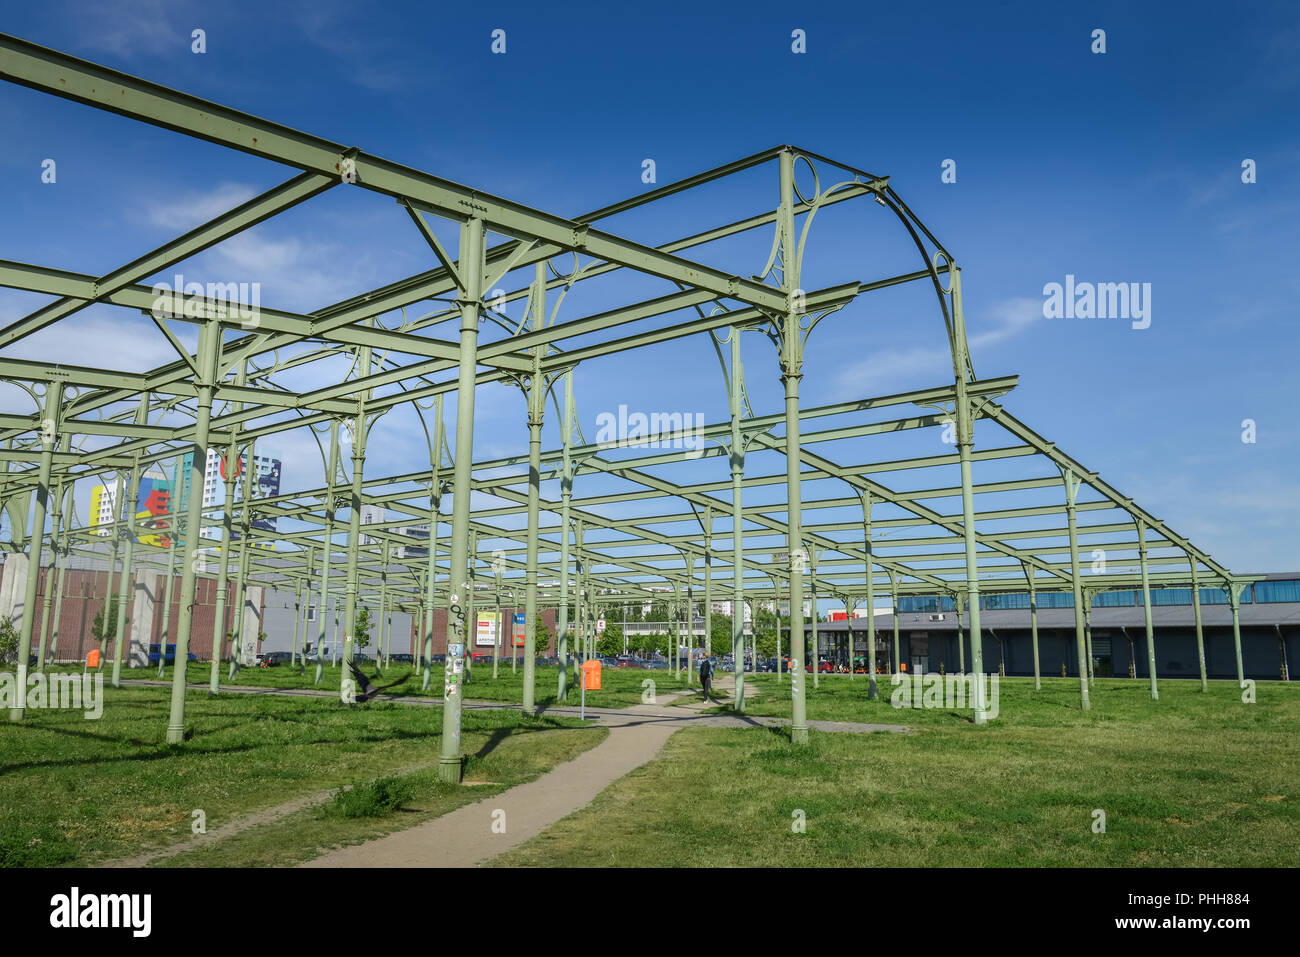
pixel 230 392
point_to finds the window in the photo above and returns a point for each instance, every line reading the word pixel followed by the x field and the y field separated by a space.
pixel 1115 599
pixel 1003 602
pixel 930 603
pixel 1183 596
pixel 1277 591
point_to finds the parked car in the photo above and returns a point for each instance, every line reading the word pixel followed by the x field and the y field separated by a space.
pixel 273 658
pixel 402 659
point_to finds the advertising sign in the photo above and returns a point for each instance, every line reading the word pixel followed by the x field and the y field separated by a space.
pixel 519 628
pixel 268 486
pixel 487 629
pixel 152 505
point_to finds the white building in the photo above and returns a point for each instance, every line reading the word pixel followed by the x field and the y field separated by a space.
pixel 103 514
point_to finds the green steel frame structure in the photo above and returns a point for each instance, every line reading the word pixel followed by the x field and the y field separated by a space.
pixel 230 392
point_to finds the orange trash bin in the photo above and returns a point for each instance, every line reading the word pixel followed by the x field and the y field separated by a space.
pixel 92 659
pixel 591 675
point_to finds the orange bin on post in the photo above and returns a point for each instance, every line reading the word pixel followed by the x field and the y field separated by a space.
pixel 591 675
pixel 92 659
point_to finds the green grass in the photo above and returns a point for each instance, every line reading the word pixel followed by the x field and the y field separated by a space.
pixel 373 799
pixel 1193 780
pixel 620 687
pixel 74 791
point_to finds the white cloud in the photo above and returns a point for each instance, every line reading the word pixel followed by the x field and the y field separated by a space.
pixel 133 28
pixel 103 337
pixel 324 26
pixel 195 209
pixel 924 365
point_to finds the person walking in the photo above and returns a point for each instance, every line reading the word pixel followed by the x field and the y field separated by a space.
pixel 706 676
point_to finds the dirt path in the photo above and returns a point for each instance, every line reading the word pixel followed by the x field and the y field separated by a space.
pixel 475 833
pixel 230 829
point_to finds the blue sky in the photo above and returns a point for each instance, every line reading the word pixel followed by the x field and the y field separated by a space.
pixel 1118 167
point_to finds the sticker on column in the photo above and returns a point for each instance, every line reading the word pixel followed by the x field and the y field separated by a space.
pixel 457 666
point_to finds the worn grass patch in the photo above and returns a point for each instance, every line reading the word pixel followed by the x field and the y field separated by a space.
pixel 74 791
pixel 620 687
pixel 1193 780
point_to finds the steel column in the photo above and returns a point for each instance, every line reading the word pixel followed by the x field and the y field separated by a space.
pixel 737 461
pixel 893 597
pixel 327 553
pixel 435 506
pixel 459 619
pixel 873 691
pixel 1234 590
pixel 1033 622
pixel 536 407
pixel 56 519
pixel 791 373
pixel 1146 606
pixel 566 493
pixel 1196 608
pixel 173 531
pixel 65 554
pixel 1071 496
pixel 965 442
pixel 51 416
pixel 241 567
pixel 209 356
pixel 227 546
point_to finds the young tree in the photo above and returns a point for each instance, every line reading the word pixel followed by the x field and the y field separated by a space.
pixel 361 631
pixel 658 612
pixel 611 642
pixel 105 624
pixel 542 637
pixel 720 633
pixel 9 640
